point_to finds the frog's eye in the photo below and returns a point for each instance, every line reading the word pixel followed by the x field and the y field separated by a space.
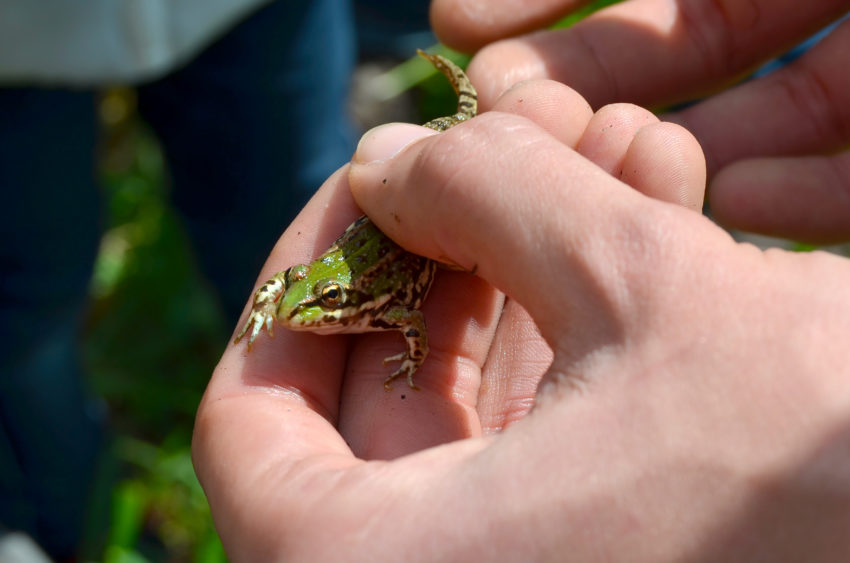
pixel 332 294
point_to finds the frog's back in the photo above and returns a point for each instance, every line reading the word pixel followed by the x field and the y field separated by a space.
pixel 380 267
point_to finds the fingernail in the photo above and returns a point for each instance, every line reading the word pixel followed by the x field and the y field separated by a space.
pixel 385 141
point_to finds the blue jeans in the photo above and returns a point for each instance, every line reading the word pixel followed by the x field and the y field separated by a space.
pixel 250 129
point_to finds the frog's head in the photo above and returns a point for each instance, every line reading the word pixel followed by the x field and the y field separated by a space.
pixel 310 301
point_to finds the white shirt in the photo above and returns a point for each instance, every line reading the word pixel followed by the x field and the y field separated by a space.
pixel 91 42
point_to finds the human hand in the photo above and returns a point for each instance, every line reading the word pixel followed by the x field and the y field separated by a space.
pixel 774 146
pixel 697 404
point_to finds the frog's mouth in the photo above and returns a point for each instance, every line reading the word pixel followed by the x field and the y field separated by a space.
pixel 324 320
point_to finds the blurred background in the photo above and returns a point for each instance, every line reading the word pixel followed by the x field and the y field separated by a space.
pixel 138 212
pixel 150 155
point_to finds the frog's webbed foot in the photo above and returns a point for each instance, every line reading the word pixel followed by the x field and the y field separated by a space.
pixel 263 310
pixel 412 326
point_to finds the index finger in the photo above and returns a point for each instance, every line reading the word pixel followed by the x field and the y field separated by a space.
pixel 648 52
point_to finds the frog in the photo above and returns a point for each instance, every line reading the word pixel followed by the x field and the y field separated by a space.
pixel 364 281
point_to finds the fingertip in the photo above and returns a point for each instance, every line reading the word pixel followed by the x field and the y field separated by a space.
pixel 660 160
pixel 468 25
pixel 452 20
pixel 500 65
pixel 383 142
pixel 610 132
pixel 665 162
pixel 374 157
pixel 555 107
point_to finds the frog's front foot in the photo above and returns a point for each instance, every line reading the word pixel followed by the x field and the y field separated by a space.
pixel 263 311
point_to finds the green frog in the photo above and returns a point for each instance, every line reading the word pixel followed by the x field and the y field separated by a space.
pixel 364 282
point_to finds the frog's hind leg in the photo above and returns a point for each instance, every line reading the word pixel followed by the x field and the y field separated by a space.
pixel 467 97
pixel 411 323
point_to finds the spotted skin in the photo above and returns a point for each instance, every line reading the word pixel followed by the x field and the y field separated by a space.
pixel 364 282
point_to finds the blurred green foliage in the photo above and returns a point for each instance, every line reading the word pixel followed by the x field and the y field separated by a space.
pixel 152 340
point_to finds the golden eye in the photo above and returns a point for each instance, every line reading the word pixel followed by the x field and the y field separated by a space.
pixel 332 294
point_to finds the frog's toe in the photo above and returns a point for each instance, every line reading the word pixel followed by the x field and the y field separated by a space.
pixel 241 333
pixel 256 322
pixel 269 321
pixel 408 368
pixel 388 383
pixel 400 357
pixel 248 324
pixel 260 321
pixel 398 373
pixel 255 330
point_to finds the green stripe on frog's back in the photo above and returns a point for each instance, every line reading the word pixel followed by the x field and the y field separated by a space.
pixel 379 266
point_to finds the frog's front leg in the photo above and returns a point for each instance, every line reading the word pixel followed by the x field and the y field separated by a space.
pixel 264 308
pixel 411 324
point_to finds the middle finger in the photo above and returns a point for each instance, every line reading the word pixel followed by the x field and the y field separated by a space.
pixel 652 52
